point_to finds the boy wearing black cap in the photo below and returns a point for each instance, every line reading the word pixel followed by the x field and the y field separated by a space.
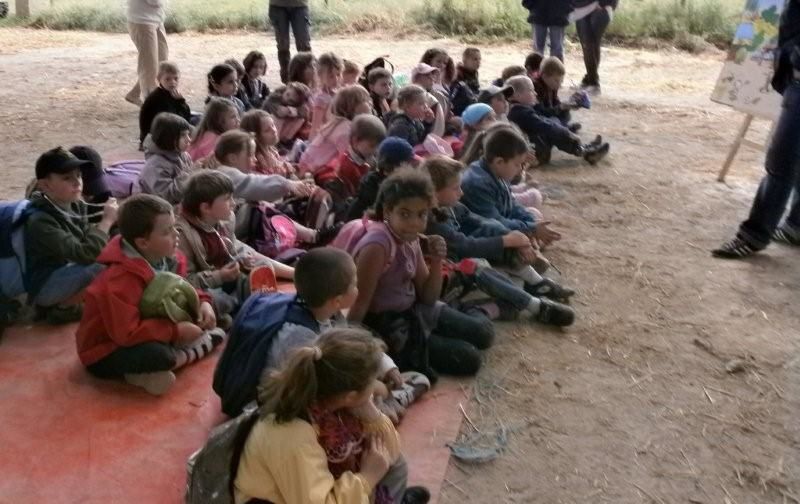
pixel 497 98
pixel 60 245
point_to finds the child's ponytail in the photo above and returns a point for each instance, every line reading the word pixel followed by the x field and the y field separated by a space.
pixel 343 360
pixel 501 139
pixel 473 151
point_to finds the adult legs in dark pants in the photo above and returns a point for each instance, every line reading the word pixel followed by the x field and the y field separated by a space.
pixel 776 188
pixel 590 32
pixel 456 341
pixel 283 19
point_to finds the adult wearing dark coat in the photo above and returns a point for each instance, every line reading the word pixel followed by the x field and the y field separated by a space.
pixel 783 157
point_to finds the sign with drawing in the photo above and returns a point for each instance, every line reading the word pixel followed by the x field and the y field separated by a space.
pixel 744 82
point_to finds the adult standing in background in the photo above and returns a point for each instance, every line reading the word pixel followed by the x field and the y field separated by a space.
pixel 548 17
pixel 146 28
pixel 592 17
pixel 783 157
pixel 286 14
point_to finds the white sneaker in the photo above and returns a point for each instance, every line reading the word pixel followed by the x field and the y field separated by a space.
pixel 157 383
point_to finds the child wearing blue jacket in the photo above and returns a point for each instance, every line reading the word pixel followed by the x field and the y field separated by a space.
pixel 484 243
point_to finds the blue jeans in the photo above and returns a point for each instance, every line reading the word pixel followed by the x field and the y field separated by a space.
pixel 540 33
pixel 782 179
pixel 65 282
pixel 501 288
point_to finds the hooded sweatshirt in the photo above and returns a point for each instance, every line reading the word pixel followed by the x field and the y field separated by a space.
pixel 165 172
pixel 111 316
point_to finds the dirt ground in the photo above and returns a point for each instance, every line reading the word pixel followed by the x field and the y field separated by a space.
pixel 633 403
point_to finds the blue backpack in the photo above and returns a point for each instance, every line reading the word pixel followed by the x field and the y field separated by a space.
pixel 242 363
pixel 13 215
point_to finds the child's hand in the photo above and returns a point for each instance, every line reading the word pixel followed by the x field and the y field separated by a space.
pixel 379 389
pixel 516 239
pixel 530 160
pixel 527 254
pixel 207 320
pixel 176 94
pixel 437 248
pixel 230 272
pixel 188 332
pixel 368 412
pixel 544 234
pixel 394 379
pixel 302 188
pixel 110 210
pixel 375 461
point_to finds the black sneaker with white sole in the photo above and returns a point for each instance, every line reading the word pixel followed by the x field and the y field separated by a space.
pixel 594 153
pixel 556 314
pixel 549 289
pixel 734 249
pixel 786 236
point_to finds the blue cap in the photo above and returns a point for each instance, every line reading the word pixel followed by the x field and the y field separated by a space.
pixel 475 113
pixel 394 151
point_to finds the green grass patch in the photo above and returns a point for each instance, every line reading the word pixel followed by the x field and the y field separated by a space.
pixel 686 23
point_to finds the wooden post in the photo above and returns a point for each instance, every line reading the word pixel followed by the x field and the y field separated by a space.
pixel 737 143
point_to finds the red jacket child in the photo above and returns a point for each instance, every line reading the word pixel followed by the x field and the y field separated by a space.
pixel 351 170
pixel 111 305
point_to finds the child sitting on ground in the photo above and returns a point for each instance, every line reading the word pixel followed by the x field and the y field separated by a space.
pixel 507 73
pixel 350 73
pixel 329 72
pixel 476 118
pixel 303 69
pixel 334 137
pixel 497 98
pixel 164 98
pixel 524 191
pixel 241 94
pixel 319 437
pixel 398 291
pixel 255 67
pixel 426 77
pixel 533 63
pixel 115 339
pixel 440 60
pixel 223 82
pixel 220 116
pixel 464 91
pixel 381 85
pixel 61 246
pixel 217 262
pixel 290 105
pixel 546 85
pixel 167 166
pixel 234 156
pixel 393 153
pixel 545 133
pixel 414 106
pixel 470 236
pixel 325 279
pixel 352 165
pixel 268 160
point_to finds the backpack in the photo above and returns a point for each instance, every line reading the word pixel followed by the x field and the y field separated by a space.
pixel 272 233
pixel 314 212
pixel 122 178
pixel 13 215
pixel 211 470
pixel 242 363
pixel 351 234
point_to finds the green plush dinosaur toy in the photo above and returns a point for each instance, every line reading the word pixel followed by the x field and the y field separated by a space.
pixel 170 296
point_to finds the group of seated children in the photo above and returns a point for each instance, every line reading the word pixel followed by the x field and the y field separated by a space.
pixel 410 214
